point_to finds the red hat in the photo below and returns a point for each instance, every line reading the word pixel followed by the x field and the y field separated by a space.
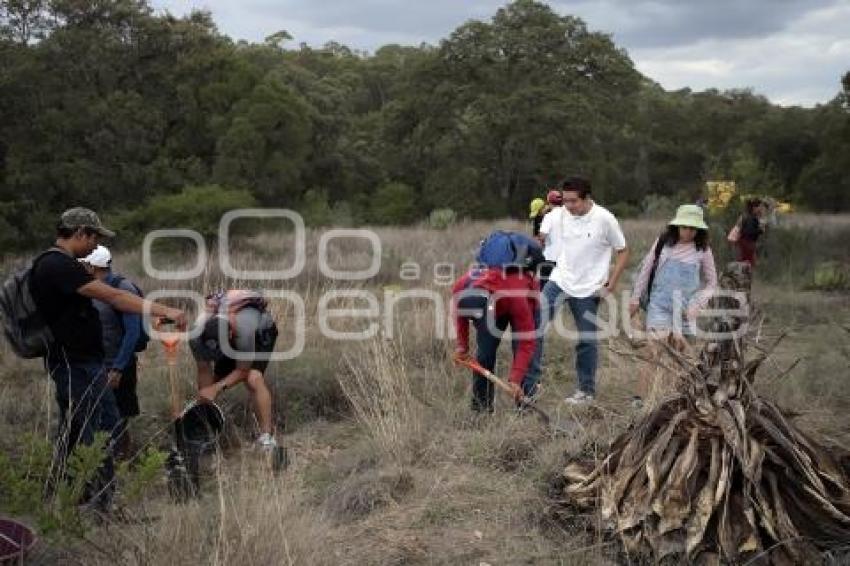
pixel 555 197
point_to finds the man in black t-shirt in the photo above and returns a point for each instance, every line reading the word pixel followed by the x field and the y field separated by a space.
pixel 63 291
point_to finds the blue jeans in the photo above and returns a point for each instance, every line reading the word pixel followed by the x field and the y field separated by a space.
pixel 587 352
pixel 487 346
pixel 86 406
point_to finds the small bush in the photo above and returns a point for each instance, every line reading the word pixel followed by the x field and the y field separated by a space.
pixel 394 203
pixel 316 210
pixel 831 276
pixel 800 257
pixel 194 208
pixel 442 218
pixel 31 487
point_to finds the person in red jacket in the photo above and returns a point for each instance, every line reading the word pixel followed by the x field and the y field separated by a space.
pixel 493 299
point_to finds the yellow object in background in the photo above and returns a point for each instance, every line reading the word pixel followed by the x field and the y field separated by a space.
pixel 535 207
pixel 720 193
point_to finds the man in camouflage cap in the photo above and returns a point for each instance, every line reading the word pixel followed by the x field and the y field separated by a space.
pixel 63 290
pixel 80 217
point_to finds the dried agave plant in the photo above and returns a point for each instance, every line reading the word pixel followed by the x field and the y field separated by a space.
pixel 716 473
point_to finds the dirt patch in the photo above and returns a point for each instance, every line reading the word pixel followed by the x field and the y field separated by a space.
pixel 360 494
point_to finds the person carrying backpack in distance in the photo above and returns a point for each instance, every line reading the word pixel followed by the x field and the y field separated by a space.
pixel 123 338
pixel 748 228
pixel 587 236
pixel 242 320
pixel 551 246
pixel 676 280
pixel 500 292
pixel 47 312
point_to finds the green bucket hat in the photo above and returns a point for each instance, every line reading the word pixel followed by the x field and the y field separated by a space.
pixel 691 216
pixel 84 218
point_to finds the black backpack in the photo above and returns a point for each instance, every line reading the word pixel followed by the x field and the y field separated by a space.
pixel 144 337
pixel 23 325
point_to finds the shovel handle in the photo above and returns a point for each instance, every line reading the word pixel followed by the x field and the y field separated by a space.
pixel 487 374
pixel 174 396
pixel 495 380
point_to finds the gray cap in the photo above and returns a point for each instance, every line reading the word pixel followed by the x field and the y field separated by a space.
pixel 84 218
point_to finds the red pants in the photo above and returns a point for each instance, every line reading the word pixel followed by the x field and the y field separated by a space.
pixel 747 251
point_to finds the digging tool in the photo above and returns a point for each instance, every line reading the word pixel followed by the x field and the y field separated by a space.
pixel 524 401
pixel 196 427
pixel 170 342
pixel 180 482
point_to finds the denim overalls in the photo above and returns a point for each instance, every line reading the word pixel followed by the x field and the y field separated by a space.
pixel 673 288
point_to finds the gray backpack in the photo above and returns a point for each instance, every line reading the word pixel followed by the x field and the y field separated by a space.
pixel 23 325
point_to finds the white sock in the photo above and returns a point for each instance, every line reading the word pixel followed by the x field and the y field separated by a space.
pixel 266 439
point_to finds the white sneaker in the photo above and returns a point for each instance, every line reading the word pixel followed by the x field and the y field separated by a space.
pixel 579 398
pixel 266 442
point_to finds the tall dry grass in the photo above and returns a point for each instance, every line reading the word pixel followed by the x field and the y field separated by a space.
pixel 381 395
pixel 388 464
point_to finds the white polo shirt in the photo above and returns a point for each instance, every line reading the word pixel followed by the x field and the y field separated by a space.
pixel 585 244
pixel 551 241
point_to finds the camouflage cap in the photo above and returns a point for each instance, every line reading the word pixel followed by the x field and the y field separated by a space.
pixel 84 218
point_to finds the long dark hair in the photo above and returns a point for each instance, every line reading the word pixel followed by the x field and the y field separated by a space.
pixel 751 205
pixel 670 237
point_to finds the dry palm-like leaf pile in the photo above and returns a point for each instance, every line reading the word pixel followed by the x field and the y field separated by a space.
pixel 717 473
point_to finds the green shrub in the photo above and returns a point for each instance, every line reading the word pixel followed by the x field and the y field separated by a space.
pixel 462 190
pixel 394 203
pixel 137 476
pixel 831 276
pixel 442 218
pixel 316 210
pixel 802 257
pixel 344 214
pixel 29 486
pixel 195 208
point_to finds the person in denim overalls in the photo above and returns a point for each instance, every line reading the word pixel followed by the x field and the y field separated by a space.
pixel 676 280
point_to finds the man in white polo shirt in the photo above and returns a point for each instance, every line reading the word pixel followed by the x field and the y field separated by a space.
pixel 588 234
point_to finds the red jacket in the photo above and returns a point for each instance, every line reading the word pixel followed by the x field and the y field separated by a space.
pixel 519 310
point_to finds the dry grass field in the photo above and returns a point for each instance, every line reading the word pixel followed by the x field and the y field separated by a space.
pixel 388 465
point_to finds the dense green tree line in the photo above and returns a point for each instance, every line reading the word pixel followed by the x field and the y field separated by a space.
pixel 106 104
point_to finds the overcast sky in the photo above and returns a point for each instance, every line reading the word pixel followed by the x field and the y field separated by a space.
pixel 792 51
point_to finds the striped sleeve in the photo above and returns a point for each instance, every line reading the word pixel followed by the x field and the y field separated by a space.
pixel 643 275
pixel 709 275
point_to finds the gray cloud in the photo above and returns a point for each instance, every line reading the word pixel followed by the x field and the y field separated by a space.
pixel 791 50
pixel 672 22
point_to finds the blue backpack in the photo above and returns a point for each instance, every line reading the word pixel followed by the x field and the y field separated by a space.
pixel 501 249
pixel 510 249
